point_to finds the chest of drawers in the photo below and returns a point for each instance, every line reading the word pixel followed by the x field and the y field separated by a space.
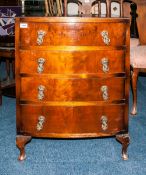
pixel 72 78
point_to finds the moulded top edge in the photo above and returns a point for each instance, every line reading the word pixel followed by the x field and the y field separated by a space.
pixel 71 19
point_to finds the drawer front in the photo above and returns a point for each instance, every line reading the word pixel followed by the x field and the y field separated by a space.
pixel 72 34
pixel 103 120
pixel 64 89
pixel 72 62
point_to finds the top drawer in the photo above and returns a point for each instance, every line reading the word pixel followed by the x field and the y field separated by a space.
pixel 72 34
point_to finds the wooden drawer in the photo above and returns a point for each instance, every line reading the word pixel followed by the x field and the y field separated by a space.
pixel 72 34
pixel 68 62
pixel 72 121
pixel 69 89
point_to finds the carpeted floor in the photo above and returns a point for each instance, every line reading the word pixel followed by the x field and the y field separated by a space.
pixel 74 157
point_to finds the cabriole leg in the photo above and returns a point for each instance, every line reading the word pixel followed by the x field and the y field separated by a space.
pixel 134 90
pixel 124 139
pixel 21 141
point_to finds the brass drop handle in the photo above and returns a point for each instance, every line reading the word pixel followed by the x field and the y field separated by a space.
pixel 104 90
pixel 41 34
pixel 105 37
pixel 105 65
pixel 104 122
pixel 41 120
pixel 41 89
pixel 40 67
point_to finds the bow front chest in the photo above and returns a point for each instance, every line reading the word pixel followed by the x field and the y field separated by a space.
pixel 72 78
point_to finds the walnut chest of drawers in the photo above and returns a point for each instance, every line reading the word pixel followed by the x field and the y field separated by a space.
pixel 72 78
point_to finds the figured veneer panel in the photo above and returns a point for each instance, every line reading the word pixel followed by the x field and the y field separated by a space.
pixel 72 121
pixel 73 34
pixel 65 89
pixel 72 62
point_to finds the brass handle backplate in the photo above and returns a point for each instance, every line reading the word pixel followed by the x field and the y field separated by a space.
pixel 41 120
pixel 40 67
pixel 105 37
pixel 104 122
pixel 104 90
pixel 105 65
pixel 41 89
pixel 41 34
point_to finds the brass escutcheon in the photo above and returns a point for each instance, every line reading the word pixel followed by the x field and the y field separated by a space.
pixel 105 66
pixel 40 67
pixel 104 90
pixel 41 34
pixel 41 89
pixel 104 122
pixel 41 120
pixel 105 37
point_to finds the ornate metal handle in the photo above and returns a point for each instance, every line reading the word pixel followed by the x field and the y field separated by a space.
pixel 41 120
pixel 105 37
pixel 41 34
pixel 41 62
pixel 41 89
pixel 105 66
pixel 104 90
pixel 104 122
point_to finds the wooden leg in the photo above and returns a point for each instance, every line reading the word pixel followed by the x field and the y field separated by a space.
pixel 21 141
pixel 0 95
pixel 0 90
pixel 65 7
pixel 134 90
pixel 8 69
pixel 13 68
pixel 124 139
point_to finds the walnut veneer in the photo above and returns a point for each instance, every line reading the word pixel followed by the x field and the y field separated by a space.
pixel 72 78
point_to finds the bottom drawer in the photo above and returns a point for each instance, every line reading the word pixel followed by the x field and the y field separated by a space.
pixel 67 122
